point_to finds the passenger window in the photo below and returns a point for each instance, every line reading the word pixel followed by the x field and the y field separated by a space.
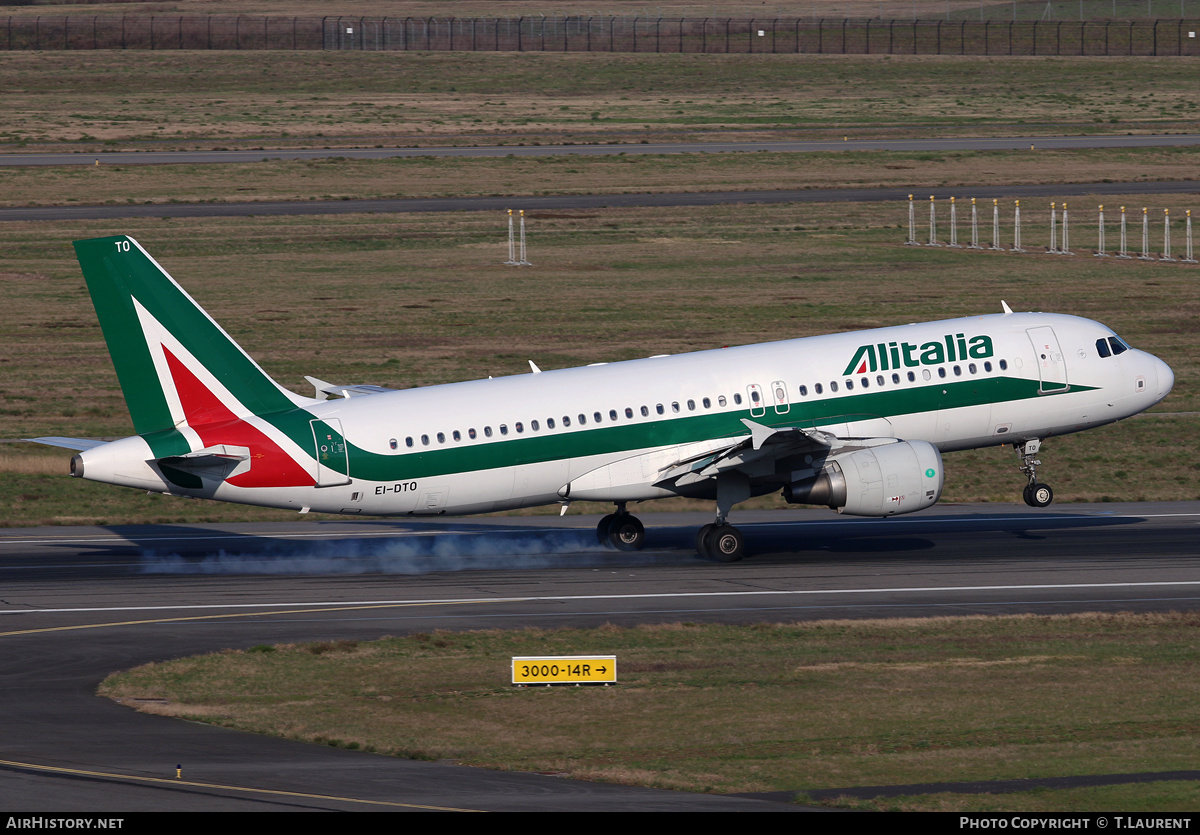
pixel 504 429
pixel 549 423
pixel 987 366
pixel 912 377
pixel 958 371
pixel 737 399
pixel 721 401
pixel 817 388
pixel 441 436
pixel 470 433
pixel 971 367
pixel 424 440
pixel 895 378
pixel 487 431
pixel 1003 365
pixel 645 412
pixel 925 373
pixel 659 408
pixel 408 441
pixel 849 385
pixel 583 420
pixel 675 406
pixel 804 391
pixel 628 413
pixel 691 405
pixel 707 403
pixel 833 385
pixel 566 420
pixel 520 427
pixel 941 371
pixel 533 424
pixel 596 417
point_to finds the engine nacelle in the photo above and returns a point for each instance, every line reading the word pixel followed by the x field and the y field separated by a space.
pixel 876 481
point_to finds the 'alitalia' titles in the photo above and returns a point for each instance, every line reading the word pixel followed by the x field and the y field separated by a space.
pixel 884 356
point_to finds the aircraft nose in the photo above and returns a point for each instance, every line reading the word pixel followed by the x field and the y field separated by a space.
pixel 1166 378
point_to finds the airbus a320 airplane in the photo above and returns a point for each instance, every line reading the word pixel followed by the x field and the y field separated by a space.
pixel 856 421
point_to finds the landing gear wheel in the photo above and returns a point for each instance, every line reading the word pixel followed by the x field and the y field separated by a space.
pixel 725 543
pixel 602 529
pixel 627 533
pixel 1038 495
pixel 704 541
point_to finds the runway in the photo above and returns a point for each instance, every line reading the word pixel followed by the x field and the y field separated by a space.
pixel 576 202
pixel 79 603
pixel 949 143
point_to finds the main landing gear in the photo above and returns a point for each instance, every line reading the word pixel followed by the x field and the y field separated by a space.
pixel 720 541
pixel 1035 493
pixel 717 541
pixel 622 530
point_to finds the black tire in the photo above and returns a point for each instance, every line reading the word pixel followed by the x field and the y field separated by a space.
pixel 726 544
pixel 1039 495
pixel 703 541
pixel 627 533
pixel 604 527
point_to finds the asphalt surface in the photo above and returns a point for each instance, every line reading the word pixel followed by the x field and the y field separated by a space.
pixel 589 201
pixel 984 143
pixel 574 202
pixel 78 603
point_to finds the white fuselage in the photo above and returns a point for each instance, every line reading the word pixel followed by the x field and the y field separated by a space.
pixel 608 432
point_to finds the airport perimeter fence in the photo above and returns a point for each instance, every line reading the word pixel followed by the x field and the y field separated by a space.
pixel 607 33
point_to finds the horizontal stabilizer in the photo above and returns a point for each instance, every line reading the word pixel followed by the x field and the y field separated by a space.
pixel 330 389
pixel 68 443
pixel 216 462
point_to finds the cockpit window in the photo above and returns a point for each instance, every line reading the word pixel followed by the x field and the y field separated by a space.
pixel 1110 346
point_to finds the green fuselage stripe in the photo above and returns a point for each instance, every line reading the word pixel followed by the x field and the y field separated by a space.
pixel 667 431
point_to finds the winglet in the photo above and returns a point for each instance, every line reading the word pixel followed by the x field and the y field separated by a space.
pixel 758 433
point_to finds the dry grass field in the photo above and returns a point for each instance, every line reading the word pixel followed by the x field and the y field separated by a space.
pixel 804 707
pixel 422 299
pixel 109 100
pixel 412 300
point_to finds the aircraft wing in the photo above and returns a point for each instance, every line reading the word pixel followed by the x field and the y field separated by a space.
pixel 761 455
pixel 756 454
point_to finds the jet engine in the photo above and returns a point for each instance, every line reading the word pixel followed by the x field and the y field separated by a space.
pixel 899 477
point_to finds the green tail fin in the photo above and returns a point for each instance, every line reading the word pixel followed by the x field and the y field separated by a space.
pixel 161 341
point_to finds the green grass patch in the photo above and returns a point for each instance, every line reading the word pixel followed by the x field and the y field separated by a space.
pixel 769 707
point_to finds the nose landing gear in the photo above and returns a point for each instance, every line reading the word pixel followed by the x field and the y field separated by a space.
pixel 1035 494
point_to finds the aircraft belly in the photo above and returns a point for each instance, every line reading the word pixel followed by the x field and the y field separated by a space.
pixel 919 426
pixel 626 477
pixel 964 427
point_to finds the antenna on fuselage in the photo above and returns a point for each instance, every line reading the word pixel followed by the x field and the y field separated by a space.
pixel 1007 309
